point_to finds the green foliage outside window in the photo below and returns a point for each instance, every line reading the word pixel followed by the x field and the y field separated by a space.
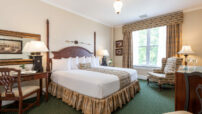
pixel 153 44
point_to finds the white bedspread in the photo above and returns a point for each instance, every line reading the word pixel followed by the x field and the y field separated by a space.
pixel 93 84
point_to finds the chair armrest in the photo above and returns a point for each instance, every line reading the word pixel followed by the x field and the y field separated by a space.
pixel 159 70
pixel 170 74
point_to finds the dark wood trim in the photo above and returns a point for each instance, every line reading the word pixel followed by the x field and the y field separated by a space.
pixel 20 34
pixel 73 51
pixel 95 44
pixel 48 54
pixel 15 62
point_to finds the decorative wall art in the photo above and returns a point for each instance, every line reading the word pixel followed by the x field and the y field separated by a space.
pixel 10 46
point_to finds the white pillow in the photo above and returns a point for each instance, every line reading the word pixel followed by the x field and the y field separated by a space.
pixel 68 60
pixel 82 60
pixel 88 59
pixel 95 61
pixel 60 64
pixel 74 63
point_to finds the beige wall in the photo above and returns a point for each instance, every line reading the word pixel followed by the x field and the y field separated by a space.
pixel 191 35
pixel 30 16
pixel 192 32
pixel 117 36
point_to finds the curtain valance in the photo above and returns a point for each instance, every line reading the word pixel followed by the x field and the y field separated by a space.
pixel 168 19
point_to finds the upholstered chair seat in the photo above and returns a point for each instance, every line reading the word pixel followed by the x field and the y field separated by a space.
pixel 166 74
pixel 25 90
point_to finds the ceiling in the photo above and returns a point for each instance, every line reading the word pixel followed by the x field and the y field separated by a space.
pixel 102 10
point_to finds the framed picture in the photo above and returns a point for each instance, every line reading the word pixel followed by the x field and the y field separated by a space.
pixel 119 52
pixel 10 46
pixel 119 44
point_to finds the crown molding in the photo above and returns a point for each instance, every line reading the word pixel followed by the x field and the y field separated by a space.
pixel 74 12
pixel 192 9
pixel 118 26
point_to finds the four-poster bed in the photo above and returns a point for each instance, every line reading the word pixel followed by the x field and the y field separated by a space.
pixel 94 91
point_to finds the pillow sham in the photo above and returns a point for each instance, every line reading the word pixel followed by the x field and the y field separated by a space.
pixel 60 64
pixel 84 65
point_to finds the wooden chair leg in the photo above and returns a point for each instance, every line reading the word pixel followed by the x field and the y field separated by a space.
pixel 0 105
pixel 20 106
pixel 38 98
pixel 147 81
pixel 160 87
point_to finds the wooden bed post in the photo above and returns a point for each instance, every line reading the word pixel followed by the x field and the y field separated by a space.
pixel 95 44
pixel 48 54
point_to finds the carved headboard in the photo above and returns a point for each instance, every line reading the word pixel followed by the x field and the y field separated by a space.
pixel 73 51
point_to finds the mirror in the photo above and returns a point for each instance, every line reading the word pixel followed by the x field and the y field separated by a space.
pixel 11 46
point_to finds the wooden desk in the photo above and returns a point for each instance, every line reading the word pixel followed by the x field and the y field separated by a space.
pixel 37 76
pixel 180 91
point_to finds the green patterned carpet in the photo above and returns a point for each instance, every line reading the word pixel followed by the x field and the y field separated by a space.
pixel 149 101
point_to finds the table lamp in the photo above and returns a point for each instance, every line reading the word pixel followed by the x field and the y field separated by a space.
pixel 186 50
pixel 35 48
pixel 103 53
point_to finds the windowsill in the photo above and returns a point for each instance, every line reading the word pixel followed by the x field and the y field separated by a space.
pixel 145 66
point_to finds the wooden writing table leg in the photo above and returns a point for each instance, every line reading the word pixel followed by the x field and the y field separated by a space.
pixel 46 87
pixel 40 83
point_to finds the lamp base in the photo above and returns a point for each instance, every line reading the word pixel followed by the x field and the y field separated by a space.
pixel 104 61
pixel 35 54
pixel 185 62
pixel 37 63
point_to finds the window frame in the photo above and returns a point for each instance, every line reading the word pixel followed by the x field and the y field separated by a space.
pixel 148 49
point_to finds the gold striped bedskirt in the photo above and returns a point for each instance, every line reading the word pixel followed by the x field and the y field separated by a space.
pixel 90 105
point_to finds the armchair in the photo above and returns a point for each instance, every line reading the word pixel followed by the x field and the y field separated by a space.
pixel 166 74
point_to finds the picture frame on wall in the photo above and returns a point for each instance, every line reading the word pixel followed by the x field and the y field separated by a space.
pixel 10 46
pixel 119 44
pixel 119 52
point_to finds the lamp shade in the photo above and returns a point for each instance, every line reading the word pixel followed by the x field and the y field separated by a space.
pixel 103 52
pixel 35 46
pixel 186 50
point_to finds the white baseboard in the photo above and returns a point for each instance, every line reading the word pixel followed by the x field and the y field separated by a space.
pixel 142 77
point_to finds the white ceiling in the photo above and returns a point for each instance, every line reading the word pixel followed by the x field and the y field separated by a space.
pixel 102 10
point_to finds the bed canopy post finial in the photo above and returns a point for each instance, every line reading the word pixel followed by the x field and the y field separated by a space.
pixel 47 42
pixel 95 44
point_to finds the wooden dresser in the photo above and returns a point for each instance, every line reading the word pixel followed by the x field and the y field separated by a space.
pixel 180 90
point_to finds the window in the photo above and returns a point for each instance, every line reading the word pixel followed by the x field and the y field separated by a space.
pixel 149 46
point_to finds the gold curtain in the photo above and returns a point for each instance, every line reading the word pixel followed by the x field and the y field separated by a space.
pixel 127 49
pixel 174 40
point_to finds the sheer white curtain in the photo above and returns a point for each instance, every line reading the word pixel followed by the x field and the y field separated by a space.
pixel 162 45
pixel 135 47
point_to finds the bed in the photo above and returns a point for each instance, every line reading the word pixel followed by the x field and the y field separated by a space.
pixel 92 92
